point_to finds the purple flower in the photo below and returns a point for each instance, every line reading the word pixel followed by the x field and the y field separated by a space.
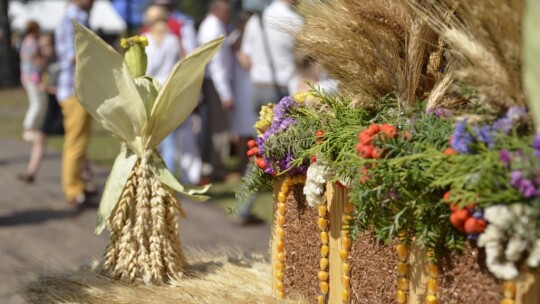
pixel 515 177
pixel 527 188
pixel 504 157
pixel 483 134
pixel 286 123
pixel 442 112
pixel 506 123
pixel 462 138
pixel 524 185
pixel 536 144
pixel 478 214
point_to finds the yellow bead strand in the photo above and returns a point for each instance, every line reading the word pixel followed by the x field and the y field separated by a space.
pixel 281 209
pixel 509 292
pixel 323 274
pixel 344 252
pixel 402 282
pixel 433 277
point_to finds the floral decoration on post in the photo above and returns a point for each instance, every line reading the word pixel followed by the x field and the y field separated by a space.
pixel 139 205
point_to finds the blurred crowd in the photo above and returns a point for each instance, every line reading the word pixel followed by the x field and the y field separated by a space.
pixel 258 64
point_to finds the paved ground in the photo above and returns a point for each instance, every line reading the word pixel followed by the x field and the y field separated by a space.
pixel 40 233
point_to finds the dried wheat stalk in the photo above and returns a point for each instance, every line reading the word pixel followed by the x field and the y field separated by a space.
pixel 373 47
pixel 486 37
pixel 144 243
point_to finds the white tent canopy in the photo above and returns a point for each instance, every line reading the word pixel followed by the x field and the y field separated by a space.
pixel 48 13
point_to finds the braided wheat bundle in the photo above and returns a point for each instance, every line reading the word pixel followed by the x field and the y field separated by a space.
pixel 144 241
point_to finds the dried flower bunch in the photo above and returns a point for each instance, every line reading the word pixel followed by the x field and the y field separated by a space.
pixel 139 205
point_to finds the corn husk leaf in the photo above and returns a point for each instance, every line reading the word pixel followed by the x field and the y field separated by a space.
pixel 179 95
pixel 165 176
pixel 123 164
pixel 106 88
pixel 531 66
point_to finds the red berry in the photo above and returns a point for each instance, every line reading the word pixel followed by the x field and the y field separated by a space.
pixel 313 158
pixel 459 224
pixel 407 135
pixel 365 138
pixel 377 153
pixel 389 131
pixel 463 214
pixel 364 179
pixel 359 147
pixel 261 163
pixel 446 196
pixel 374 129
pixel 480 225
pixel 364 170
pixel 470 225
pixel 319 133
pixel 251 143
pixel 366 152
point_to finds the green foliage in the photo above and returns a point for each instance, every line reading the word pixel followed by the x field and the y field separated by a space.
pixel 255 181
pixel 399 197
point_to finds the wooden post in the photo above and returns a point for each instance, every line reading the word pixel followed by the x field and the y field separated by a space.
pixel 273 243
pixel 336 198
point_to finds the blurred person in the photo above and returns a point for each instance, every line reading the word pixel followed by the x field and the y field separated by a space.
pixel 31 67
pixel 163 53
pixel 52 121
pixel 188 34
pixel 217 91
pixel 76 120
pixel 267 51
pixel 242 116
pixel 308 73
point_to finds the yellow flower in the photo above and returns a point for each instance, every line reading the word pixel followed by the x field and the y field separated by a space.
pixel 265 118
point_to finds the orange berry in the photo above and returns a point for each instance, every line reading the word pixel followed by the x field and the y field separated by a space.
pixel 449 152
pixel 251 143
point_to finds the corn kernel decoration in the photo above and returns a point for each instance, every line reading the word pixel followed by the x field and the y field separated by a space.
pixel 323 274
pixel 432 281
pixel 402 282
pixel 286 187
pixel 344 253
pixel 509 292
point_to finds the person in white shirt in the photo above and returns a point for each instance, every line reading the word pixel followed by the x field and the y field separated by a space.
pixel 268 53
pixel 268 48
pixel 217 91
